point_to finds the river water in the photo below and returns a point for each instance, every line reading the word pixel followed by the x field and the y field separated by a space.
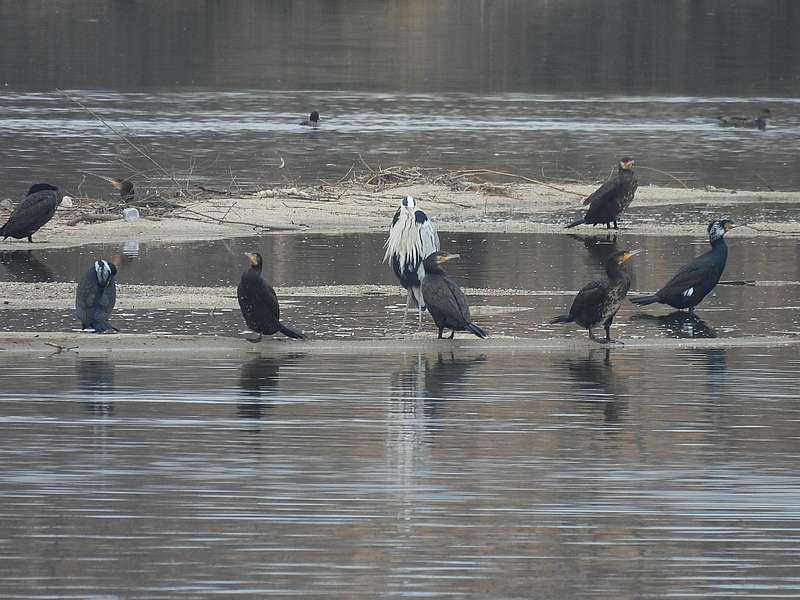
pixel 593 474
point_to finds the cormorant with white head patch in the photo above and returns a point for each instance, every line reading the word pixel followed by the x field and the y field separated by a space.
pixel 598 302
pixel 412 237
pixel 694 281
pixel 96 296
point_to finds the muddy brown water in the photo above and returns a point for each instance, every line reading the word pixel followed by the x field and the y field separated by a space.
pixel 588 474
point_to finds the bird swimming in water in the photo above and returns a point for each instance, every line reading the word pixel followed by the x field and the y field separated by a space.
pixel 611 199
pixel 444 299
pixel 312 121
pixel 694 281
pixel 598 302
pixel 412 237
pixel 96 296
pixel 32 213
pixel 741 122
pixel 259 303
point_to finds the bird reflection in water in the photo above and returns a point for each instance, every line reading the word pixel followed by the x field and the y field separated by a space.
pixel 680 324
pixel 259 378
pixel 593 375
pixel 445 380
pixel 96 385
pixel 599 247
pixel 25 267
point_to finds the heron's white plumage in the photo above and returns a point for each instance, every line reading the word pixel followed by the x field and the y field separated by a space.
pixel 103 271
pixel 412 237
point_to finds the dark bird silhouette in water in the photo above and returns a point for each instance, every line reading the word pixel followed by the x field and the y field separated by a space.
pixel 598 302
pixel 694 281
pixel 32 213
pixel 312 120
pixel 611 199
pixel 259 303
pixel 412 237
pixel 742 122
pixel 444 299
pixel 96 296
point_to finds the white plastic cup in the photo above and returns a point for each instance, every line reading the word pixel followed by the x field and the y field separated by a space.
pixel 130 214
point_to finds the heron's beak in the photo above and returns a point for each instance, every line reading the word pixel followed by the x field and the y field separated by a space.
pixel 629 254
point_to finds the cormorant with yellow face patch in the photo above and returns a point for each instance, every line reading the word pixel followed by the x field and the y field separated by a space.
pixel 444 299
pixel 611 199
pixel 598 301
pixel 259 303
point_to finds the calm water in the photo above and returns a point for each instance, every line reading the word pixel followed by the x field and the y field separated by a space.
pixel 546 268
pixel 214 91
pixel 589 475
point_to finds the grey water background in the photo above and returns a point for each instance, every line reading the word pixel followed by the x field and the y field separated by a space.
pixel 583 474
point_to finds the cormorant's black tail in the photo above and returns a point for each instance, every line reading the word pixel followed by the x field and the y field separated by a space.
pixel 562 319
pixel 289 332
pixel 643 300
pixel 477 330
pixel 575 224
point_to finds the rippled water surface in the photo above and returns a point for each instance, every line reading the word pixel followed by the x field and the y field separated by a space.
pixel 593 474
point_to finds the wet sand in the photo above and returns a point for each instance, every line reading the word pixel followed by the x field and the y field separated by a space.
pixel 355 208
pixel 83 343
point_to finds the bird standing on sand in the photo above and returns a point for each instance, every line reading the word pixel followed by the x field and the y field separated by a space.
pixel 32 213
pixel 412 237
pixel 259 303
pixel 694 281
pixel 96 296
pixel 598 302
pixel 444 299
pixel 611 199
pixel 312 121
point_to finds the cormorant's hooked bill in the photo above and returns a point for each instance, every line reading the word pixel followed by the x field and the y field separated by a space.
pixel 696 280
pixel 259 303
pixel 599 301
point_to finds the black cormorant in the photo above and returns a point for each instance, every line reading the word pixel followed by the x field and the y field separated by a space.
pixel 259 303
pixel 694 281
pixel 312 121
pixel 611 199
pixel 412 237
pixel 96 296
pixel 35 210
pixel 598 302
pixel 444 299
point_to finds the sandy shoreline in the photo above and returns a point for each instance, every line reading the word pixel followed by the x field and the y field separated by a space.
pixel 358 208
pixel 88 344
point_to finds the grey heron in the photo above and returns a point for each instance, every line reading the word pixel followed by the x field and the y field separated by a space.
pixel 412 237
